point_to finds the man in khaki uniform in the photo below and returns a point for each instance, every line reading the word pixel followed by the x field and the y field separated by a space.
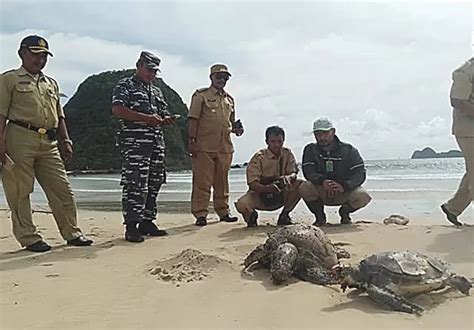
pixel 335 172
pixel 272 180
pixel 30 101
pixel 462 100
pixel 211 120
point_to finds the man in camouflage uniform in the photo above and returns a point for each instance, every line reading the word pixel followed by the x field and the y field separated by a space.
pixel 462 100
pixel 142 111
pixel 29 100
pixel 211 119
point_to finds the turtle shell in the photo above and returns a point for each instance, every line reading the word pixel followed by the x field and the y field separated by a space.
pixel 309 240
pixel 405 272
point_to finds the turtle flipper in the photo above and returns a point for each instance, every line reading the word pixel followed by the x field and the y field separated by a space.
pixel 459 283
pixel 316 275
pixel 391 300
pixel 342 254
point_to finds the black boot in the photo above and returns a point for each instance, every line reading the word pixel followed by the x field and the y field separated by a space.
pixel 132 234
pixel 252 221
pixel 317 208
pixel 149 228
pixel 344 212
pixel 284 219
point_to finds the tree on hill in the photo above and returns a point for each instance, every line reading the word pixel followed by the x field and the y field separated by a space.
pixel 93 127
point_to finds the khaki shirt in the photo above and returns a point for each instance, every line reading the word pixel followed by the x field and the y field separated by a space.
pixel 214 111
pixel 30 99
pixel 463 89
pixel 264 163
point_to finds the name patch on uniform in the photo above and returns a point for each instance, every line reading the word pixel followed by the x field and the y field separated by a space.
pixel 212 100
pixel 24 82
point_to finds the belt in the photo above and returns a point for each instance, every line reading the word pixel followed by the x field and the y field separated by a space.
pixel 40 130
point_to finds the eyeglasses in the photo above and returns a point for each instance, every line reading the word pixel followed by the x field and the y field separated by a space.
pixel 221 76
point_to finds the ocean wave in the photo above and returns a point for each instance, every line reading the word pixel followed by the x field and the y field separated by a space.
pixel 397 177
pixel 101 191
pixel 91 178
pixel 403 190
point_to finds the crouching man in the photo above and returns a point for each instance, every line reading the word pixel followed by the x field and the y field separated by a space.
pixel 335 172
pixel 272 180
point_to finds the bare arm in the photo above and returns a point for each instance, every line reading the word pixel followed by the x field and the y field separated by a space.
pixel 463 105
pixel 62 130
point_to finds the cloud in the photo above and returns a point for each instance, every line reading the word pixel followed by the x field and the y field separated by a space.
pixel 378 70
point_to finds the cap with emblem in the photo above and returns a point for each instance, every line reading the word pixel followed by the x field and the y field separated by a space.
pixel 35 44
pixel 216 68
pixel 150 60
pixel 322 124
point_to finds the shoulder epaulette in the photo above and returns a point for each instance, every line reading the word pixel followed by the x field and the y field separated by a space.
pixel 200 90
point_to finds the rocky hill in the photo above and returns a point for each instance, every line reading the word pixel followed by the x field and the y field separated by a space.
pixel 430 153
pixel 93 127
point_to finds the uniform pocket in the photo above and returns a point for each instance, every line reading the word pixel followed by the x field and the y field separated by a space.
pixel 24 88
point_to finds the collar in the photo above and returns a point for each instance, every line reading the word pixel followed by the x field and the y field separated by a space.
pixel 217 92
pixel 139 82
pixel 270 155
pixel 23 72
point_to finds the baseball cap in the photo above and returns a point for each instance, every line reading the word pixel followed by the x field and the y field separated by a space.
pixel 322 124
pixel 216 68
pixel 35 44
pixel 150 60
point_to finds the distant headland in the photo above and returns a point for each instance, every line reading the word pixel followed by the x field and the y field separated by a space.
pixel 430 153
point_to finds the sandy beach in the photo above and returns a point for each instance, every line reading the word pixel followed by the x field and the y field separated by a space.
pixel 193 278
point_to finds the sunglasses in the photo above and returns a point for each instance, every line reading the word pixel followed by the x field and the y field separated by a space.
pixel 221 76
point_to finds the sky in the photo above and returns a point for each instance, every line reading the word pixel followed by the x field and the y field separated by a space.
pixel 380 70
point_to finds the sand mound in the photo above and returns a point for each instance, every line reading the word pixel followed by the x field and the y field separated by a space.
pixel 188 266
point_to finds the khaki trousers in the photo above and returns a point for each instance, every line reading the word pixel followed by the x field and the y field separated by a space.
pixel 210 170
pixel 356 198
pixel 250 201
pixel 465 193
pixel 35 155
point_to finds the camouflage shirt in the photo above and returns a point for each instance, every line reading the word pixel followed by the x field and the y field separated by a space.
pixel 145 98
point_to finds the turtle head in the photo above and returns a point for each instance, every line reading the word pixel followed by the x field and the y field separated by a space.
pixel 256 255
pixel 346 275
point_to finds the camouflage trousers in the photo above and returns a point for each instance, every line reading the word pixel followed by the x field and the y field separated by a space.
pixel 143 173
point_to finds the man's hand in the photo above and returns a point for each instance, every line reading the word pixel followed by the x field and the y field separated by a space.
pixel 66 151
pixel 332 188
pixel 272 188
pixel 238 128
pixel 192 149
pixel 289 179
pixel 168 120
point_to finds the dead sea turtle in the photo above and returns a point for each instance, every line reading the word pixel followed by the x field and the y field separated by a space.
pixel 301 250
pixel 389 277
